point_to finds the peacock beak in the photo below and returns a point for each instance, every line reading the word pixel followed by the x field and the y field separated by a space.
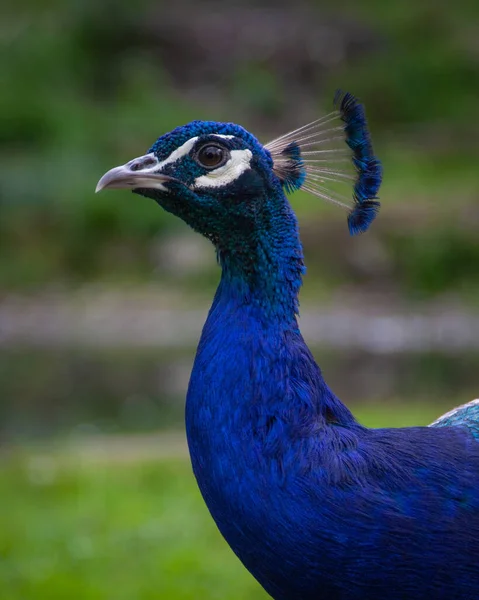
pixel 141 172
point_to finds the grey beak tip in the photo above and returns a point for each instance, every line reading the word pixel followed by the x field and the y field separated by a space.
pixel 106 180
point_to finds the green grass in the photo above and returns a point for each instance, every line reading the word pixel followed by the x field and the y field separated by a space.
pixel 136 531
pixel 101 527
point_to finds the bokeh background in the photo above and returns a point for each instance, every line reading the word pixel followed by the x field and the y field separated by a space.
pixel 102 298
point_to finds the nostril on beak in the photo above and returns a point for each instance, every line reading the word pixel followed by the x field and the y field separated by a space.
pixel 139 172
pixel 145 162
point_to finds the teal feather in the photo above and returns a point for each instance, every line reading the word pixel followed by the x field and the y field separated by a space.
pixel 466 415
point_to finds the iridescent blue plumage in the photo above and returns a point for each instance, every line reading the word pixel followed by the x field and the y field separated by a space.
pixel 308 158
pixel 295 175
pixel 466 415
pixel 368 166
pixel 316 506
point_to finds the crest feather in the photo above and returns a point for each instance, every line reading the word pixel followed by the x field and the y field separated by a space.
pixel 335 149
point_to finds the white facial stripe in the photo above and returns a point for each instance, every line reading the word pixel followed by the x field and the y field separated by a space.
pixel 178 153
pixel 238 163
pixel 157 166
pixel 181 151
pixel 186 149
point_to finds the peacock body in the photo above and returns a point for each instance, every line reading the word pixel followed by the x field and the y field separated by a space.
pixel 314 504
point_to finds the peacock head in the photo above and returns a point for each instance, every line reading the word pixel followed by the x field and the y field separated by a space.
pixel 222 181
pixel 212 175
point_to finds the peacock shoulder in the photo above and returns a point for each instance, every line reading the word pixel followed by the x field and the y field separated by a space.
pixel 465 414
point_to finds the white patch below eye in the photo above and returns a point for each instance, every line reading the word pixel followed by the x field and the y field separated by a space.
pixel 239 162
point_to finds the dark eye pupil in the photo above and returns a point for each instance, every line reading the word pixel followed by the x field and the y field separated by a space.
pixel 210 156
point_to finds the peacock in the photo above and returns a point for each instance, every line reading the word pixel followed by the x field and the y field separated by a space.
pixel 314 504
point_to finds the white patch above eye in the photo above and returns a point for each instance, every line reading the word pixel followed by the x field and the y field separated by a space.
pixel 185 149
pixel 181 151
pixel 239 162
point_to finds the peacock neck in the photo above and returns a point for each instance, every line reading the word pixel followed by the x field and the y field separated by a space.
pixel 252 364
pixel 262 265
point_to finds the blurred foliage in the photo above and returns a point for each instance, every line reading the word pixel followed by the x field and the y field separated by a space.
pixel 437 260
pixel 88 85
pixel 427 72
pixel 118 528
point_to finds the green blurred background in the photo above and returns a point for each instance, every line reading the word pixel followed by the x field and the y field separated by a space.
pixel 102 298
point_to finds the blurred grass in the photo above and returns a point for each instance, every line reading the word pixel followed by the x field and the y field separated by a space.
pixel 110 528
pixel 111 532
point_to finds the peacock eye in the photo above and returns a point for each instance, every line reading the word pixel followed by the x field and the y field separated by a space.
pixel 211 156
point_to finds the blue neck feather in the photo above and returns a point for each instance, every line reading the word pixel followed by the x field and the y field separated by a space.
pixel 264 271
pixel 254 378
pixel 258 409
